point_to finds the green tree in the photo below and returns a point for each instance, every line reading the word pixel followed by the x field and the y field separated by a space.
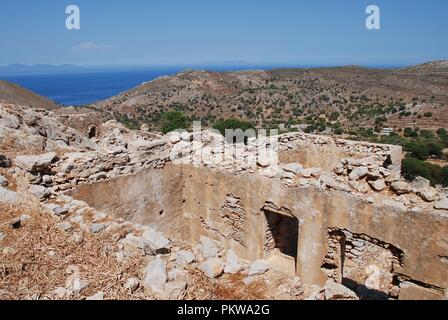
pixel 418 150
pixel 174 120
pixel 412 167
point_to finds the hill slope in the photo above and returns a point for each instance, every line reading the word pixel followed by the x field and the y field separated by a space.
pixel 15 94
pixel 344 96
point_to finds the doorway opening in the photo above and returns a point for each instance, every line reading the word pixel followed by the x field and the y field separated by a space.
pixel 281 243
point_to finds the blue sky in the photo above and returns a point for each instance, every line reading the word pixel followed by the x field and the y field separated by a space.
pixel 188 32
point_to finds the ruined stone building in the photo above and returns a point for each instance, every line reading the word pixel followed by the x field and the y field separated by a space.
pixel 327 210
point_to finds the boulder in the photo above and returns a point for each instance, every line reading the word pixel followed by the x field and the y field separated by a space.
pixel 213 267
pixel 131 284
pixel 442 204
pixel 40 191
pixel 374 175
pixel 393 177
pixel 184 257
pixel 233 265
pixel 47 179
pixel 155 276
pixel 97 227
pixel 378 185
pixel 57 210
pixel 401 187
pixel 294 168
pixel 209 248
pixel 174 137
pixel 7 196
pixel 64 226
pixel 420 183
pixel 36 163
pixel 358 173
pixel 336 291
pixel 141 145
pixel 258 267
pixel 428 194
pixel 155 242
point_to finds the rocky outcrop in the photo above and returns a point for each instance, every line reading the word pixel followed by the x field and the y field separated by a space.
pixel 22 128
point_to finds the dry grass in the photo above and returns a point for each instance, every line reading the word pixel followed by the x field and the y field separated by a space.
pixel 229 287
pixel 27 269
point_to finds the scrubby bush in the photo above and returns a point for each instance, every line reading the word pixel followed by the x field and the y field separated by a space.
pixel 174 120
pixel 412 167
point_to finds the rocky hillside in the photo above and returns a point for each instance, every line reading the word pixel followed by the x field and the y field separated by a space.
pixel 336 97
pixel 14 94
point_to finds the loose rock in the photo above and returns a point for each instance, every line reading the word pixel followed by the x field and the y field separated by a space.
pixel 378 185
pixel 233 265
pixel 3 181
pixel 184 257
pixel 155 276
pixel 155 242
pixel 442 204
pixel 36 163
pixel 336 291
pixel 401 187
pixel 258 267
pixel 7 196
pixel 40 191
pixel 213 267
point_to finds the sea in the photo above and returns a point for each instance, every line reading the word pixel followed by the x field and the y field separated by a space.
pixel 82 88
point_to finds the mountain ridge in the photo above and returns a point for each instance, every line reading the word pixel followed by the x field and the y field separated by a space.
pixel 292 95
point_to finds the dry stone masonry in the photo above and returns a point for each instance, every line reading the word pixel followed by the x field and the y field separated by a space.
pixel 334 216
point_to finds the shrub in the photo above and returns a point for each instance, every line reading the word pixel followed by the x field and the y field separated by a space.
pixel 409 132
pixel 418 150
pixel 412 167
pixel 335 116
pixel 174 120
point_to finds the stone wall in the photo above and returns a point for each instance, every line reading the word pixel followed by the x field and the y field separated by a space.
pixel 350 187
pixel 420 237
pixel 151 197
pixel 313 151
